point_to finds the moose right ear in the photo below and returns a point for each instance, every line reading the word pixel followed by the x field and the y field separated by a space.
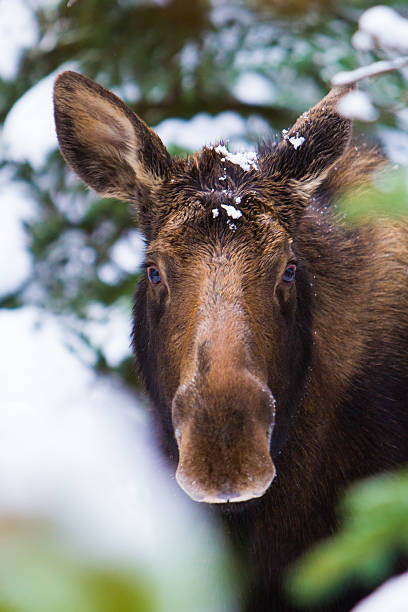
pixel 315 143
pixel 110 148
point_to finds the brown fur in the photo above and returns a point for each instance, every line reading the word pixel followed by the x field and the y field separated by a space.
pixel 223 335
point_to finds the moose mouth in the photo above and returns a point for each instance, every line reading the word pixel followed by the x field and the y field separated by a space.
pixel 239 495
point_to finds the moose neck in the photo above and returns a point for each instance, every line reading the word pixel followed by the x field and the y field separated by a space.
pixel 339 271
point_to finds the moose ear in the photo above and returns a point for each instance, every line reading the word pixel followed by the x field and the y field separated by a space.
pixel 104 142
pixel 315 143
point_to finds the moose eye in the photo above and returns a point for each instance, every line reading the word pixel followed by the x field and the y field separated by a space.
pixel 290 273
pixel 153 275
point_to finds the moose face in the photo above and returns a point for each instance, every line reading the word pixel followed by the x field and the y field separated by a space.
pixel 222 318
pixel 219 307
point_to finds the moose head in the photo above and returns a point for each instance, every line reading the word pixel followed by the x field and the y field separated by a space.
pixel 223 312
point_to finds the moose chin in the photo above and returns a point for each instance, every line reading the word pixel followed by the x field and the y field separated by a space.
pixel 271 337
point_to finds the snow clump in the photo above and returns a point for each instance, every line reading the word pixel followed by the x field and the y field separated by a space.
pixel 246 159
pixel 385 28
pixel 231 211
pixel 392 595
pixel 357 105
pixel 296 141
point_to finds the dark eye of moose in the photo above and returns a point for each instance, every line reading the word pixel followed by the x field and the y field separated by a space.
pixel 290 273
pixel 153 275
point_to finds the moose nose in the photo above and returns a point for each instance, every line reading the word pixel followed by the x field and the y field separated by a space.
pixel 223 434
pixel 199 492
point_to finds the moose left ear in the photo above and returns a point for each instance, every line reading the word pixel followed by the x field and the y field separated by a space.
pixel 315 143
pixel 110 148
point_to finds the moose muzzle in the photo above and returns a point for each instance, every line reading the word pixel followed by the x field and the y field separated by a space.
pixel 223 433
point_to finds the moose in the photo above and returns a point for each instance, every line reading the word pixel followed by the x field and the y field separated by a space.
pixel 272 337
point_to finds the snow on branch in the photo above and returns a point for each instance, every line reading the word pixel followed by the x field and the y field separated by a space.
pixel 383 28
pixel 374 69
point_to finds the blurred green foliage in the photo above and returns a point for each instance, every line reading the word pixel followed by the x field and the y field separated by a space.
pixel 387 196
pixel 374 532
pixel 60 581
pixel 46 568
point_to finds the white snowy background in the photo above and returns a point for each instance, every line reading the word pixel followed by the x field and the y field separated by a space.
pixel 74 447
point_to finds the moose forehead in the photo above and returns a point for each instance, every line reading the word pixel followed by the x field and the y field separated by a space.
pixel 208 198
pixel 209 229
